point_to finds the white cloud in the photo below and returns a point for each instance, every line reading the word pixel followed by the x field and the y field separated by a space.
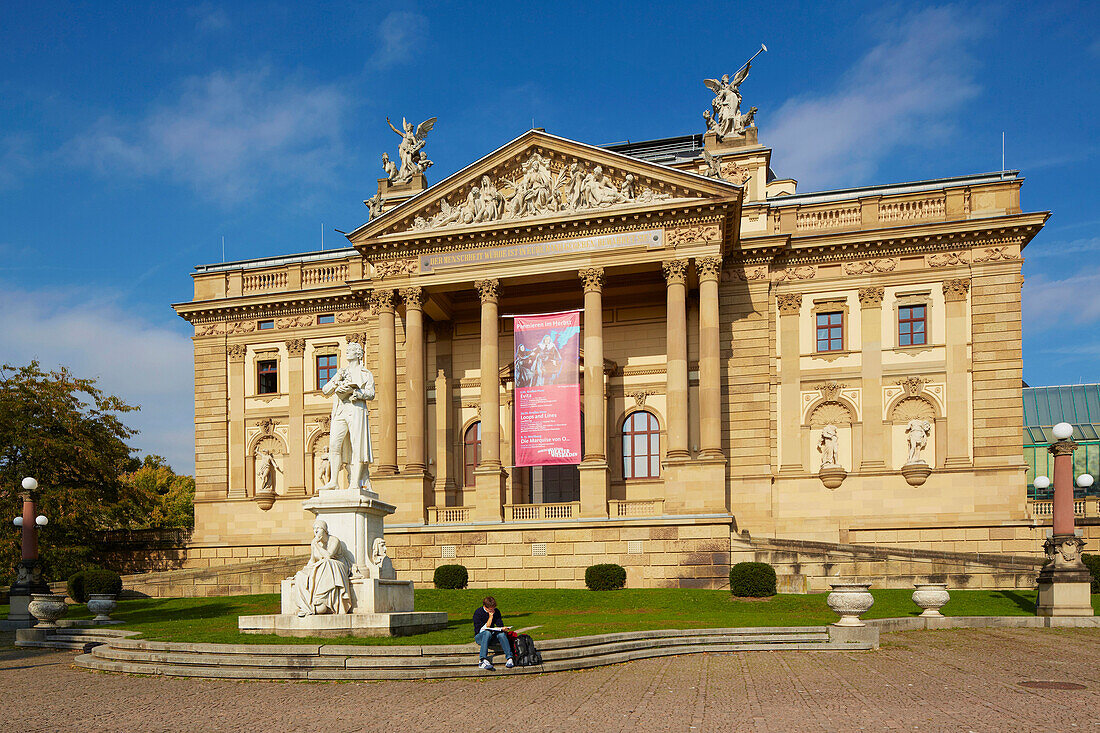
pixel 1063 302
pixel 229 135
pixel 902 91
pixel 139 362
pixel 399 34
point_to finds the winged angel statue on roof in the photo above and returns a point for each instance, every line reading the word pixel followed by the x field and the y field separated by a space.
pixel 727 119
pixel 410 150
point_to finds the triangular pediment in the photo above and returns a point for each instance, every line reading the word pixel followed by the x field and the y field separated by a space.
pixel 541 177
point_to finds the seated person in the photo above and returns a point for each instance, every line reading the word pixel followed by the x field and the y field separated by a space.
pixel 488 625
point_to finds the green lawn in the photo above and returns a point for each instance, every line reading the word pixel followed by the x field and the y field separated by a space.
pixel 557 613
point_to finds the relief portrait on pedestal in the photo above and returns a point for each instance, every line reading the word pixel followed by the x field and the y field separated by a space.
pixel 349 431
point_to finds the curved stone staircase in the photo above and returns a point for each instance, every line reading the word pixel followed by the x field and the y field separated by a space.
pixel 341 662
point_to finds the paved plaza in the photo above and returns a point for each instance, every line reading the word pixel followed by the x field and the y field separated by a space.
pixel 962 680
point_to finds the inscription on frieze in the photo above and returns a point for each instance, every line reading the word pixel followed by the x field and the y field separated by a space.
pixel 650 239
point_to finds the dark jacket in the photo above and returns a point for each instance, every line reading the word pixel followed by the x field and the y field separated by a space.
pixel 481 617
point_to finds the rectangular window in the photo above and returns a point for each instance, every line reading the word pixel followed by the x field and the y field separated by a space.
pixel 830 331
pixel 326 368
pixel 326 318
pixel 912 325
pixel 265 325
pixel 267 377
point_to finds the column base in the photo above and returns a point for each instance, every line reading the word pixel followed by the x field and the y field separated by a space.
pixel 411 493
pixel 956 462
pixel 595 480
pixel 695 487
pixel 1064 596
pixel 489 499
pixel 872 466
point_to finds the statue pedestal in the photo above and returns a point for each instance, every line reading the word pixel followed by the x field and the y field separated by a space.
pixel 1064 581
pixel 381 605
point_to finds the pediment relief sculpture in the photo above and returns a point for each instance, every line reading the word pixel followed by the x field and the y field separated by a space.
pixel 539 186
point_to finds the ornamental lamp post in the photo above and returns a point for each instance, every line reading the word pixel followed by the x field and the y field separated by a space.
pixel 1064 580
pixel 28 573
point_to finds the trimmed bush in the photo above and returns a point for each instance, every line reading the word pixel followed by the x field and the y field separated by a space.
pixel 606 576
pixel 752 580
pixel 75 587
pixel 451 577
pixel 1092 562
pixel 102 581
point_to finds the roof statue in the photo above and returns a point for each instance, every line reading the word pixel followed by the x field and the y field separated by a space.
pixel 727 119
pixel 374 205
pixel 410 151
pixel 714 165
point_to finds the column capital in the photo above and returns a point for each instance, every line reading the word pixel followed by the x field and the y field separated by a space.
pixel 296 347
pixel 413 297
pixel 871 297
pixel 789 303
pixel 708 268
pixel 236 352
pixel 1062 448
pixel 592 278
pixel 381 301
pixel 675 271
pixel 488 290
pixel 956 289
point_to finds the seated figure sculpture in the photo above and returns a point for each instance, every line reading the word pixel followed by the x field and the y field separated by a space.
pixel 323 585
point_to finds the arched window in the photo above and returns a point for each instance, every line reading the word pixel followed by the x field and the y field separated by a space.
pixel 471 452
pixel 641 446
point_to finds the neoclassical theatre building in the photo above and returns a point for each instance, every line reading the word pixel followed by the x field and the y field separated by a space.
pixel 828 369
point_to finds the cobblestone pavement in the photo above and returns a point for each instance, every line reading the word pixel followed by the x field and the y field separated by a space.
pixel 961 680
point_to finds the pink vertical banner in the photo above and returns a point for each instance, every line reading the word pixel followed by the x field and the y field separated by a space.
pixel 548 391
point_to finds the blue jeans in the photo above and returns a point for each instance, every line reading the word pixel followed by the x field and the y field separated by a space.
pixel 484 637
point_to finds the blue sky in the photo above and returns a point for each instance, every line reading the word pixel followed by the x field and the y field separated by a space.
pixel 132 139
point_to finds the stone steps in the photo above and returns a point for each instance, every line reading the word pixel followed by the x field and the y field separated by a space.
pixel 68 638
pixel 339 662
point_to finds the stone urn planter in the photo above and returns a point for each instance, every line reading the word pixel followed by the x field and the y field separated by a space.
pixel 850 601
pixel 931 597
pixel 265 499
pixel 47 608
pixel 916 473
pixel 101 604
pixel 832 476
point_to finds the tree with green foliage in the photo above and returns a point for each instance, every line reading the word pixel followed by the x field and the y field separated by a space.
pixel 69 435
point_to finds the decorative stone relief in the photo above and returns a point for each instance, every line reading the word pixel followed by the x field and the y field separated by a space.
pixel 639 396
pixel 675 271
pixel 913 386
pixel 396 268
pixel 266 426
pixel 536 188
pixel 296 347
pixel 947 259
pixel 956 289
pixel 830 413
pixel 294 321
pixel 745 273
pixel 739 174
pixel 209 329
pixel 912 408
pixel 359 338
pixel 591 278
pixel 802 272
pixel 352 316
pixel 236 352
pixel 708 268
pixel 488 290
pixel 691 234
pixel 830 391
pixel 241 327
pixel 775 221
pixel 790 303
pixel 991 254
pixel 726 119
pixel 872 296
pixel 884 264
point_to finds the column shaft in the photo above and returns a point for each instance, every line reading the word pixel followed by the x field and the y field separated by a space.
pixel 444 470
pixel 874 433
pixel 236 438
pixel 677 359
pixel 386 383
pixel 790 456
pixel 710 387
pixel 595 440
pixel 490 374
pixel 415 393
pixel 295 468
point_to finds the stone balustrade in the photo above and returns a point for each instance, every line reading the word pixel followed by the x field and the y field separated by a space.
pixel 1087 507
pixel 636 507
pixel 526 512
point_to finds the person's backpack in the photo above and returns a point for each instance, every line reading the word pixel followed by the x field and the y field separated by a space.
pixel 526 654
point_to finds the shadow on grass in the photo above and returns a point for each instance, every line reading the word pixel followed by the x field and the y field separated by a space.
pixel 1022 601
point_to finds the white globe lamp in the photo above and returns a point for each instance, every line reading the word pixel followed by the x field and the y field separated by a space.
pixel 1063 430
pixel 41 520
pixel 18 521
pixel 1085 480
pixel 29 484
pixel 1042 482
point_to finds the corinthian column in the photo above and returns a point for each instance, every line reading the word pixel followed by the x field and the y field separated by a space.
pixel 489 473
pixel 790 455
pixel 710 388
pixel 595 443
pixel 676 369
pixel 415 393
pixel 958 403
pixel 381 302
